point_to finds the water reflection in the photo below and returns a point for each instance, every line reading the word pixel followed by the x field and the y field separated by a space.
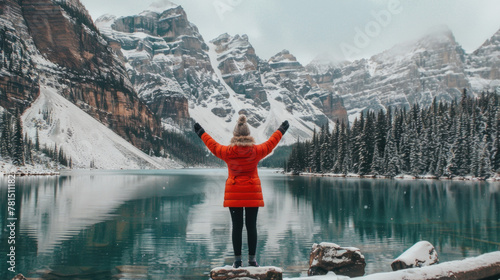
pixel 173 223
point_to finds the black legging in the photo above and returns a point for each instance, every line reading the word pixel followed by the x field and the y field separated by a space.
pixel 251 225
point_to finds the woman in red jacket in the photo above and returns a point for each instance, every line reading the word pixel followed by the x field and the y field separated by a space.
pixel 243 191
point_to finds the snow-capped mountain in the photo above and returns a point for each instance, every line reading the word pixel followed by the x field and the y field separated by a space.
pixel 130 72
pixel 273 90
pixel 180 77
pixel 53 44
pixel 168 63
pixel 483 65
pixel 408 73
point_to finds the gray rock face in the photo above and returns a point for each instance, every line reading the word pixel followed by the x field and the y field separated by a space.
pixel 239 66
pixel 483 65
pixel 280 79
pixel 166 60
pixel 414 72
pixel 327 257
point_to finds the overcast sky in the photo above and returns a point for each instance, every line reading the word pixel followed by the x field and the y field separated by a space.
pixel 349 29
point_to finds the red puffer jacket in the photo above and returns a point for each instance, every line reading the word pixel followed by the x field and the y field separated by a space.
pixel 243 187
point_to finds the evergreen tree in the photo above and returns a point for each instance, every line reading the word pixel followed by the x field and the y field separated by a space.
pixel 391 158
pixel 495 159
pixel 366 151
pixel 5 138
pixel 484 168
pixel 356 138
pixel 377 167
pixel 342 150
pixel 381 131
pixel 37 140
pixel 18 142
pixel 446 139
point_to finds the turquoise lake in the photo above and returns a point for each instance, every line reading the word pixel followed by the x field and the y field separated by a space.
pixel 171 224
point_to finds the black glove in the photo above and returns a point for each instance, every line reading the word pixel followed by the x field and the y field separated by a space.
pixel 284 127
pixel 198 129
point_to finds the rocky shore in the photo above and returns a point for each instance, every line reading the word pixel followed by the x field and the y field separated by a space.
pixel 398 177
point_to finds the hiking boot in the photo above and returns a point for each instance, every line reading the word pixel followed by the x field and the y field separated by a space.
pixel 253 263
pixel 237 264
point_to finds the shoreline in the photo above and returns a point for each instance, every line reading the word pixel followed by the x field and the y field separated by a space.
pixel 397 177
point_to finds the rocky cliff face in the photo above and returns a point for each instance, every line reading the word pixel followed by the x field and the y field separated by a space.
pixel 483 65
pixel 239 66
pixel 414 72
pixel 167 62
pixel 55 43
pixel 18 79
pixel 281 81
pixel 181 77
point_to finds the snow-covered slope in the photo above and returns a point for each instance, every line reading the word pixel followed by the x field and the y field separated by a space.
pixel 483 65
pixel 83 138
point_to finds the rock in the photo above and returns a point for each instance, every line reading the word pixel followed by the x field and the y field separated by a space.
pixel 419 255
pixel 486 266
pixel 341 260
pixel 260 273
pixel 19 277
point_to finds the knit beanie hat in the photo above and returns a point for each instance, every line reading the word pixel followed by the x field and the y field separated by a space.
pixel 241 128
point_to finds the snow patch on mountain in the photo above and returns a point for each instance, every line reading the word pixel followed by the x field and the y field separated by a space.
pixel 83 138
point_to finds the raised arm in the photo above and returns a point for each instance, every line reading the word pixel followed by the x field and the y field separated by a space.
pixel 212 145
pixel 267 147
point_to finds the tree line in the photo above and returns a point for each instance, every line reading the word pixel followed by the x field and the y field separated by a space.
pixel 460 138
pixel 17 147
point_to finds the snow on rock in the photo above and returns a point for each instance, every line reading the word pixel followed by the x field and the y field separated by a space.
pixel 327 257
pixel 421 254
pixel 329 276
pixel 82 137
pixel 261 273
pixel 486 266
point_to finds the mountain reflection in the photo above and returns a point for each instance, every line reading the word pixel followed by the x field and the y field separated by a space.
pixel 465 214
pixel 173 222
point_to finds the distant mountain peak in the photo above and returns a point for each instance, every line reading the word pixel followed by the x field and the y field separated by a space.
pixel 162 5
pixel 323 62
pixel 493 40
pixel 436 38
pixel 283 55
